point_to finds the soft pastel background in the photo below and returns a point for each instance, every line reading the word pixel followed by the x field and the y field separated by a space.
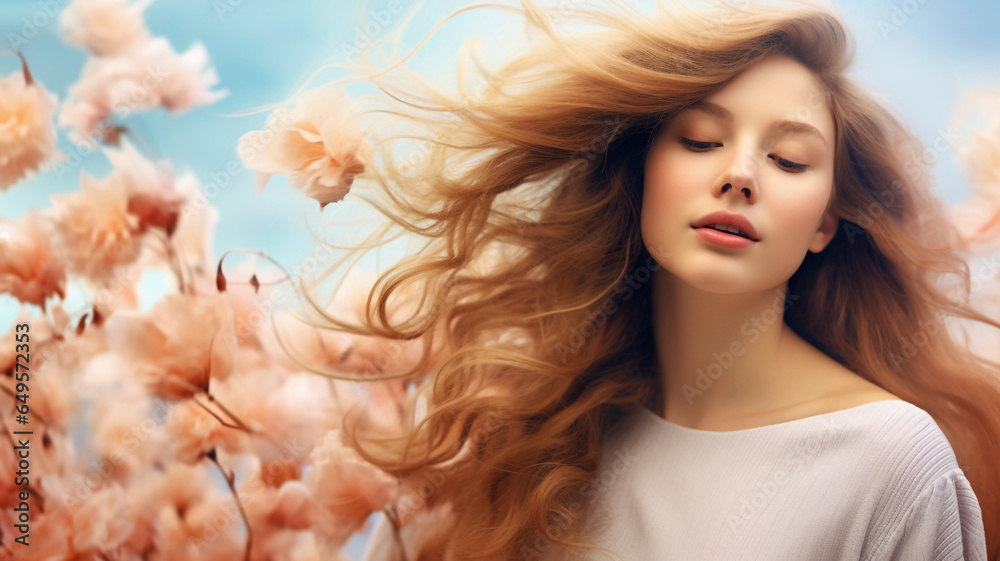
pixel 919 55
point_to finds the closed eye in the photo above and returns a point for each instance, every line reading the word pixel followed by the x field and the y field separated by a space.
pixel 788 165
pixel 697 145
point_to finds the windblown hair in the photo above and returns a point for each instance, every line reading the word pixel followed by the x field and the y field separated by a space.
pixel 526 194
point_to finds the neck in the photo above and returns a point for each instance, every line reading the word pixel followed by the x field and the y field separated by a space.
pixel 719 355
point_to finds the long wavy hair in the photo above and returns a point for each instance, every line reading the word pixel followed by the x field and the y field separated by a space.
pixel 524 188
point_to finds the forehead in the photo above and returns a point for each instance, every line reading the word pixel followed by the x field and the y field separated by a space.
pixel 777 87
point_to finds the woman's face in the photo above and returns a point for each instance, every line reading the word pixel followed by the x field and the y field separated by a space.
pixel 762 147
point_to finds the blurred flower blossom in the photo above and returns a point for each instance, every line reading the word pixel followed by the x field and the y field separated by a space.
pixel 102 224
pixel 348 488
pixel 193 432
pixel 979 153
pixel 103 521
pixel 27 134
pixel 288 412
pixel 978 219
pixel 148 75
pixel 318 143
pixel 104 27
pixel 95 228
pixel 152 197
pixel 30 268
pixel 178 346
pixel 44 335
pixel 195 225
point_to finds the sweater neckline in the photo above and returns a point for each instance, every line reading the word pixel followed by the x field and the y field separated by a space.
pixel 656 420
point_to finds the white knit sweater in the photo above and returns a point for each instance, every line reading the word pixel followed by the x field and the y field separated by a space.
pixel 878 481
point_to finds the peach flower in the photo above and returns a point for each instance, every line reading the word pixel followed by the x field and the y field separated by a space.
pixel 978 226
pixel 177 485
pixel 205 530
pixel 308 549
pixel 52 398
pixel 287 506
pixel 977 220
pixel 8 466
pixel 182 343
pixel 979 154
pixel 128 436
pixel 104 27
pixel 280 517
pixel 318 144
pixel 193 218
pixel 56 524
pixel 147 76
pixel 328 348
pixel 308 346
pixel 348 488
pixel 216 531
pixel 30 268
pixel 172 539
pixel 27 134
pixel 152 197
pixel 104 521
pixel 84 520
pixel 292 506
pixel 251 306
pixel 190 76
pixel 193 237
pixel 95 227
pixel 288 412
pixel 45 336
pixel 89 120
pixel 193 432
pixel 175 488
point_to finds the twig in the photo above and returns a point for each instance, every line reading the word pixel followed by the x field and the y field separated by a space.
pixel 212 413
pixel 288 277
pixel 176 264
pixel 390 514
pixel 143 145
pixel 230 477
pixel 228 412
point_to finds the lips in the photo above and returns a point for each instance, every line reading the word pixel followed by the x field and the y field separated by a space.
pixel 734 219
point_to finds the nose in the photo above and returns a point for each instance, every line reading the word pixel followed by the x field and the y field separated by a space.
pixel 746 191
pixel 740 180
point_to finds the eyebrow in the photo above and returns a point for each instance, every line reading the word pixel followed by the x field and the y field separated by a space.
pixel 779 126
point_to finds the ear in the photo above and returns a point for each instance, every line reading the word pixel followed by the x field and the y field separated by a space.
pixel 827 229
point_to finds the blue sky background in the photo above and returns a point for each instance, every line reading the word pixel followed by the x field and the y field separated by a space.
pixel 264 50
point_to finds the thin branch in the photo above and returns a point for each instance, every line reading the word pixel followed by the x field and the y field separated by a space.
pixel 288 276
pixel 176 264
pixel 390 514
pixel 230 477
pixel 226 410
pixel 150 154
pixel 212 413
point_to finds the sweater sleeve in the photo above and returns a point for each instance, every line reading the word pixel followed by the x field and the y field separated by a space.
pixel 944 523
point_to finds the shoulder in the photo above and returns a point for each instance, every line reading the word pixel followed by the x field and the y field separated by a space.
pixel 927 507
pixel 911 465
pixel 909 498
pixel 905 441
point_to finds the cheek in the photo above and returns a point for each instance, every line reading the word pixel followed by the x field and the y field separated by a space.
pixel 669 180
pixel 802 215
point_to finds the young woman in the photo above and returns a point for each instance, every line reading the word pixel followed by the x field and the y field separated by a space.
pixel 696 295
